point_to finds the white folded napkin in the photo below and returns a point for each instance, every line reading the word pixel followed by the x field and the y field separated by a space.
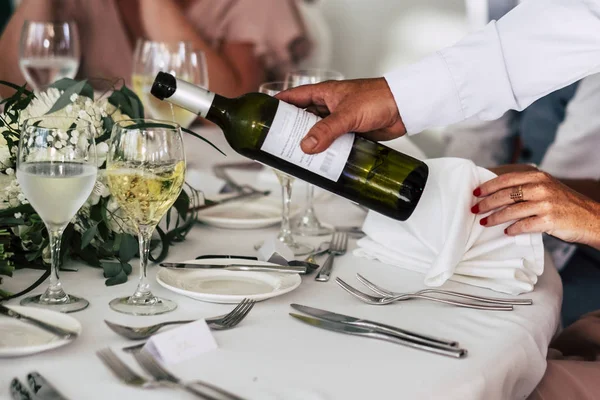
pixel 444 240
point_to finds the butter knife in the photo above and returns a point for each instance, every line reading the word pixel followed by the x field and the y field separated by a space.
pixel 55 330
pixel 239 267
pixel 340 327
pixel 42 388
pixel 376 326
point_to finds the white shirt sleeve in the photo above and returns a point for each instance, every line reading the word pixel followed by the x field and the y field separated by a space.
pixel 537 48
pixel 574 152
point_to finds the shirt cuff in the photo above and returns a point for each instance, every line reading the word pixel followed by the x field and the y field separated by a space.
pixel 426 94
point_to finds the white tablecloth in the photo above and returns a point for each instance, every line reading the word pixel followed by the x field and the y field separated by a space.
pixel 273 356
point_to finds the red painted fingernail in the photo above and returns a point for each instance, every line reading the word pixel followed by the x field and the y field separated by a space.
pixel 483 221
pixel 506 231
pixel 477 192
pixel 475 209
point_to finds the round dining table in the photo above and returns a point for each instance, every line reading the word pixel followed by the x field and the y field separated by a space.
pixel 271 355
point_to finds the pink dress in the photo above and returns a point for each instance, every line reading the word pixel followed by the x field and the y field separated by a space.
pixel 273 26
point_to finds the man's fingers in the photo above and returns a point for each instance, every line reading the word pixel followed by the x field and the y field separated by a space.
pixel 324 132
pixel 303 96
pixel 509 180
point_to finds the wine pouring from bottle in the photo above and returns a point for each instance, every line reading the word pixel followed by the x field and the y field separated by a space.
pixel 269 131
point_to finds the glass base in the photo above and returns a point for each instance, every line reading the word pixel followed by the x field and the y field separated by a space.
pixel 317 229
pixel 65 304
pixel 152 305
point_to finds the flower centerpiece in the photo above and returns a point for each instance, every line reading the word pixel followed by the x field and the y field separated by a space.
pixel 99 234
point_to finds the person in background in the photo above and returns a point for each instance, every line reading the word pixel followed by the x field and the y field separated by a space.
pixel 246 41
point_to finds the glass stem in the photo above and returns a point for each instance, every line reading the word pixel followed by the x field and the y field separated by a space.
pixel 55 293
pixel 285 234
pixel 142 294
pixel 310 195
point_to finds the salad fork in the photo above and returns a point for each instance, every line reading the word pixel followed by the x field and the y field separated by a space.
pixel 337 247
pixel 367 298
pixel 153 367
pixel 482 299
pixel 221 322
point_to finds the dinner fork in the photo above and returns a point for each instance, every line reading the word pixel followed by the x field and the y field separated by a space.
pixel 337 247
pixel 123 372
pixel 221 322
pixel 367 298
pixel 158 372
pixel 482 299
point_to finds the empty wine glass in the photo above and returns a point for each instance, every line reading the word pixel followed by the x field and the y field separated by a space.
pixel 146 170
pixel 56 168
pixel 180 60
pixel 48 52
pixel 286 181
pixel 308 224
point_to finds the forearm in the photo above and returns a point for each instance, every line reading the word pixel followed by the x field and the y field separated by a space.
pixel 10 40
pixel 164 21
pixel 587 187
pixel 540 46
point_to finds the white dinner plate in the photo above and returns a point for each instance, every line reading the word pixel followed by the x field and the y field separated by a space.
pixel 18 338
pixel 221 286
pixel 250 214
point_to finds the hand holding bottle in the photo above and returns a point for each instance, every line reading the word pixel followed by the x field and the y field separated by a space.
pixel 365 106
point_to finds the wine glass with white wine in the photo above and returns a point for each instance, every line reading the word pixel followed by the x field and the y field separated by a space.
pixel 146 172
pixel 48 52
pixel 286 181
pixel 56 169
pixel 180 60
pixel 308 224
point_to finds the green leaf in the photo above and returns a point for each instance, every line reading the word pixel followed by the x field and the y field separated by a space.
pixel 16 87
pixel 65 99
pixel 65 83
pixel 121 101
pixel 89 257
pixel 164 251
pixel 135 102
pixel 111 268
pixel 203 139
pixel 23 208
pixel 128 248
pixel 88 235
pixel 182 204
pixel 121 277
pixel 127 268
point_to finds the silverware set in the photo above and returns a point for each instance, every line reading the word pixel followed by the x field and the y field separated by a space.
pixel 160 377
pixel 437 295
pixel 375 330
pixel 39 389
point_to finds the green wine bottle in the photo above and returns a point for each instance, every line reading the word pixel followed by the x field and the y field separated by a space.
pixel 269 131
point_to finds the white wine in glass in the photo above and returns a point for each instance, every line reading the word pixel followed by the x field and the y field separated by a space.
pixel 48 52
pixel 181 60
pixel 146 172
pixel 57 182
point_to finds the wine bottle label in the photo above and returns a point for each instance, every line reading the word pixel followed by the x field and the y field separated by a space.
pixel 289 127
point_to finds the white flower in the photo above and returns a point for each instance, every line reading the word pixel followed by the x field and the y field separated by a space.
pixel 21 197
pixel 58 144
pixel 5 158
pixel 18 215
pixel 9 171
pixel 74 139
pixel 74 97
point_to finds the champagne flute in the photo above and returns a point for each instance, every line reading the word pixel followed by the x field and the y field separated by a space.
pixel 286 181
pixel 146 171
pixel 177 58
pixel 56 168
pixel 48 52
pixel 308 224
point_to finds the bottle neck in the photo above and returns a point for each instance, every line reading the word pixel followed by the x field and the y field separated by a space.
pixel 193 98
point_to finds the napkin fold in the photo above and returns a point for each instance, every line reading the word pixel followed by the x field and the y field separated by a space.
pixel 444 240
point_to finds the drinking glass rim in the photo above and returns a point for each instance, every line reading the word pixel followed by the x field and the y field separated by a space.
pixel 319 70
pixel 174 125
pixel 61 117
pixel 53 23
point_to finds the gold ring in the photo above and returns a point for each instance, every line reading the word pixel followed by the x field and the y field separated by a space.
pixel 517 194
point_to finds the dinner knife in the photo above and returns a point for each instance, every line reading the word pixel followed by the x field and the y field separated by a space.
pixel 42 388
pixel 376 326
pixel 349 329
pixel 238 267
pixel 55 330
pixel 292 263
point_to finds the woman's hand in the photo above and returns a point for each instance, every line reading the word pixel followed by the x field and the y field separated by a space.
pixel 545 205
pixel 505 169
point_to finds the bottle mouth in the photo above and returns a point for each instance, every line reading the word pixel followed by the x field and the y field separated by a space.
pixel 164 86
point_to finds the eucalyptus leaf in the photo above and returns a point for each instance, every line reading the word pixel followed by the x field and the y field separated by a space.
pixel 111 268
pixel 65 83
pixel 121 277
pixel 65 99
pixel 127 268
pixel 88 235
pixel 128 248
pixel 121 101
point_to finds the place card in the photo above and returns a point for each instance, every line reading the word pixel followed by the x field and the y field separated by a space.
pixel 275 251
pixel 182 343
